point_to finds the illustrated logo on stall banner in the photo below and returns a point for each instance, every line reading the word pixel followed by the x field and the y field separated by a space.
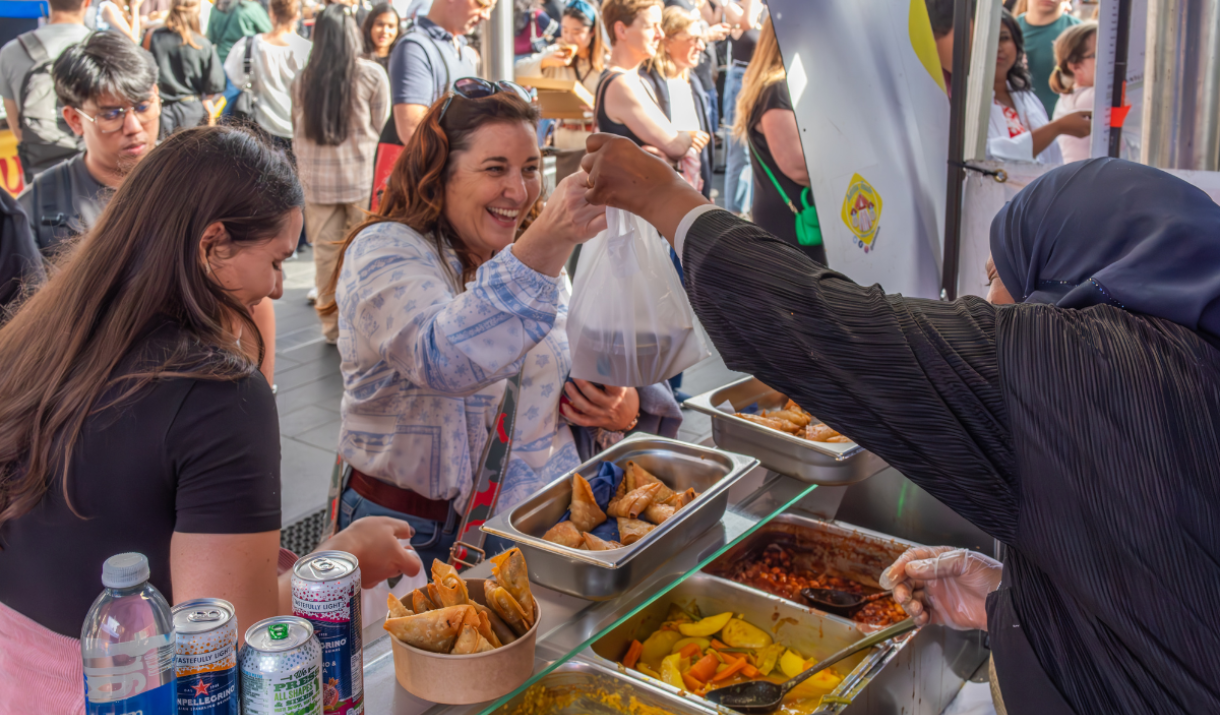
pixel 862 212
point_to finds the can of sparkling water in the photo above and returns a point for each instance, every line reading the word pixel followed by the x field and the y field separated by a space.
pixel 281 668
pixel 206 657
pixel 326 591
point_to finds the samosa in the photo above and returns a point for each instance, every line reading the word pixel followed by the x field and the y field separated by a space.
pixel 564 533
pixel 586 514
pixel 507 607
pixel 510 572
pixel 595 543
pixel 434 631
pixel 634 502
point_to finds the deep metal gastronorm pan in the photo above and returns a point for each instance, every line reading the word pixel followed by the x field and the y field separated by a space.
pixel 823 463
pixel 602 575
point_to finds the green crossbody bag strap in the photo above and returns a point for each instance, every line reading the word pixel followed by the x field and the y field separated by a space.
pixel 808 228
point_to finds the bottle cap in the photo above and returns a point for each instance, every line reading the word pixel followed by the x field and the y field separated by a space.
pixel 125 570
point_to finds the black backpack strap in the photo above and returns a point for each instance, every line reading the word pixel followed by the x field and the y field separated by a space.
pixel 34 47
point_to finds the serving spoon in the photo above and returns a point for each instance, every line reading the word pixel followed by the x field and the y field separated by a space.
pixel 763 696
pixel 840 603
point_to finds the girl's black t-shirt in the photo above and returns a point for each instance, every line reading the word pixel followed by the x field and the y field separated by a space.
pixel 769 209
pixel 187 455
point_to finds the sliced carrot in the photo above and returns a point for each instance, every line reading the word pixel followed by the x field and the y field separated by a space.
pixel 730 671
pixel 718 645
pixel 690 650
pixel 633 654
pixel 705 667
pixel 750 671
pixel 691 682
pixel 730 659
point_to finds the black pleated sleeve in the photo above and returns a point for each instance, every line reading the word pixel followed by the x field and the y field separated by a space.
pixel 914 381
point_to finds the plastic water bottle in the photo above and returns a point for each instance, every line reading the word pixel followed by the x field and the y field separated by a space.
pixel 128 644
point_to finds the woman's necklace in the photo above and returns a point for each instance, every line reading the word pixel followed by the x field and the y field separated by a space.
pixel 576 68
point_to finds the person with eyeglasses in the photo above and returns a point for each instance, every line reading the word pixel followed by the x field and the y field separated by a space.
pixel 455 285
pixel 118 131
pixel 108 88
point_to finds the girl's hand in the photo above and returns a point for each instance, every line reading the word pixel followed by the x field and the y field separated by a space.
pixel 611 408
pixel 374 540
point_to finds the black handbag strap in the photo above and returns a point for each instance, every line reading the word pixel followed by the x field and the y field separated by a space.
pixel 247 61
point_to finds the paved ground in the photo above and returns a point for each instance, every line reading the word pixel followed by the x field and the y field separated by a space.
pixel 310 387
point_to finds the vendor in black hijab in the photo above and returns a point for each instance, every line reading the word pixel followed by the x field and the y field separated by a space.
pixel 1084 435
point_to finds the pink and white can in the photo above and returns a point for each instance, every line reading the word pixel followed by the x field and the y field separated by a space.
pixel 326 592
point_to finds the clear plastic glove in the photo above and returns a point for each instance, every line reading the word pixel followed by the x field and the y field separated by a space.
pixel 943 585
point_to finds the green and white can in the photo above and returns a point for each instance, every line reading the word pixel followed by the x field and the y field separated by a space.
pixel 281 668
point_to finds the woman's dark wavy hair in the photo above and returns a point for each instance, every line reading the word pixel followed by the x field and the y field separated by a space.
pixel 366 30
pixel 415 191
pixel 328 80
pixel 1018 76
pixel 140 265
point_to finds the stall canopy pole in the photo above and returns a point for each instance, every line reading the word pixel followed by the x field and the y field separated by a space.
pixel 957 122
pixel 1121 37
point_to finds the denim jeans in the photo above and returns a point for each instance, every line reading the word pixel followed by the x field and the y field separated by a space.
pixel 738 177
pixel 432 539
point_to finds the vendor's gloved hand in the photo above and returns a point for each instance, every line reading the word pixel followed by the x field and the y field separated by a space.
pixel 943 585
pixel 374 540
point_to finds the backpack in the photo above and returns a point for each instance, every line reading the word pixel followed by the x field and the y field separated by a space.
pixel 46 139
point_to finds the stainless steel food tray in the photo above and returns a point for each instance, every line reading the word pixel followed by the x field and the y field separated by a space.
pixel 602 575
pixel 856 554
pixel 932 664
pixel 823 463
pixel 814 634
pixel 580 688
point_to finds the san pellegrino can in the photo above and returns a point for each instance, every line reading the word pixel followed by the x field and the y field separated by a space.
pixel 127 644
pixel 281 668
pixel 326 591
pixel 206 657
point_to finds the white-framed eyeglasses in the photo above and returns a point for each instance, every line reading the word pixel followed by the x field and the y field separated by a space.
pixel 111 120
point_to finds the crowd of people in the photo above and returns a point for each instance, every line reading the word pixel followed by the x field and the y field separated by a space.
pixel 180 163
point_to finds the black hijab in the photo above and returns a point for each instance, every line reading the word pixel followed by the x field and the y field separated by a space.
pixel 1109 231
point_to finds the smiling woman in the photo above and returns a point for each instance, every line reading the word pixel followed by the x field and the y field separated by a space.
pixel 454 287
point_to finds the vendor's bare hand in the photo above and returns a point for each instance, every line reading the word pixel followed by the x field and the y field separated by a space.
pixel 612 408
pixel 374 541
pixel 698 140
pixel 943 585
pixel 624 176
pixel 1076 124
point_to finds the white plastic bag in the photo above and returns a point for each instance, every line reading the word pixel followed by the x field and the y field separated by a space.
pixel 629 322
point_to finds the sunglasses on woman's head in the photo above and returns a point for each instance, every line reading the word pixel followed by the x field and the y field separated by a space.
pixel 478 88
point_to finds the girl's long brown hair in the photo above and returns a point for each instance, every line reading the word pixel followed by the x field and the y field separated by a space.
pixel 415 191
pixel 183 18
pixel 138 267
pixel 766 68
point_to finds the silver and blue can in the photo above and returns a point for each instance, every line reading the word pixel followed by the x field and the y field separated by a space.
pixel 206 657
pixel 281 668
pixel 326 591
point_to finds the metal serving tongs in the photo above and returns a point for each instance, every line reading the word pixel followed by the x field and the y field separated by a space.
pixel 763 696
